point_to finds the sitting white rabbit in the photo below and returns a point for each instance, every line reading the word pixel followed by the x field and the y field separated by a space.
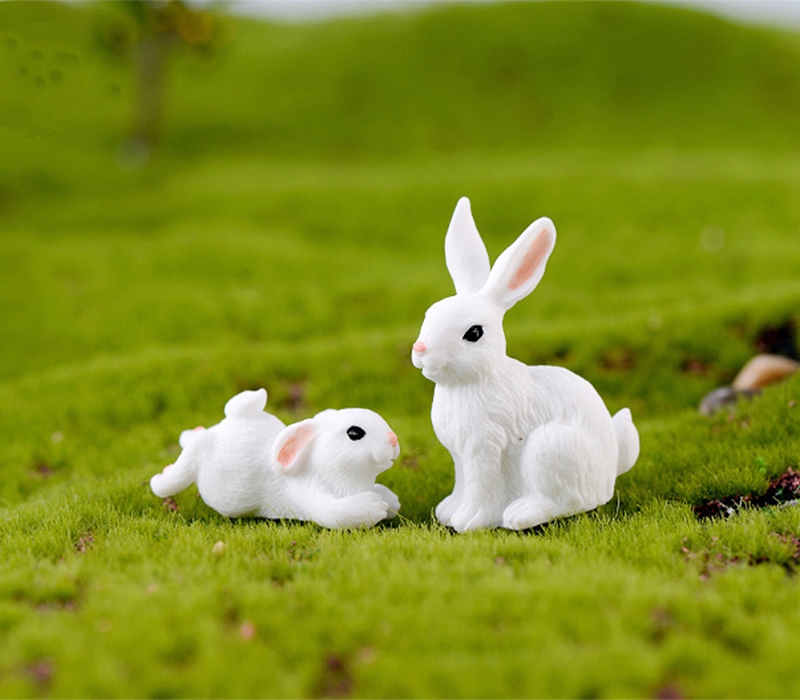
pixel 322 469
pixel 529 444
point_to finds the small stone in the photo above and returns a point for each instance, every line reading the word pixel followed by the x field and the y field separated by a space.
pixel 724 397
pixel 218 549
pixel 762 370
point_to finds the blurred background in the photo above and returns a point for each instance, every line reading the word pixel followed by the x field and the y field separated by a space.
pixel 782 13
pixel 183 175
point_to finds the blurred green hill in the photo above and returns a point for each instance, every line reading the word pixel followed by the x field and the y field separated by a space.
pixel 518 76
pixel 286 148
pixel 448 79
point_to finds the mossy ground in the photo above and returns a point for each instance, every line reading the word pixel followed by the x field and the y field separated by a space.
pixel 289 236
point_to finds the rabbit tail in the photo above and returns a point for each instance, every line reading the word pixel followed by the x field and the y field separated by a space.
pixel 183 473
pixel 247 404
pixel 627 439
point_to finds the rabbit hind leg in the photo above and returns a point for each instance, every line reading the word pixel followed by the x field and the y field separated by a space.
pixel 562 474
pixel 175 477
pixel 529 511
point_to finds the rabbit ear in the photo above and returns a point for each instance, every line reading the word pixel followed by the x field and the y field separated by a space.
pixel 464 251
pixel 291 447
pixel 518 270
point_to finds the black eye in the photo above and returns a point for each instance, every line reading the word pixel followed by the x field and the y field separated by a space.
pixel 474 334
pixel 355 433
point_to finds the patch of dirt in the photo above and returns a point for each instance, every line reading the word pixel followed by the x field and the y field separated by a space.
pixel 336 678
pixel 297 397
pixel 784 489
pixel 778 340
pixel 790 540
pixel 85 542
pixel 68 605
pixel 42 470
pixel 669 692
pixel 712 562
pixel 411 463
pixel 536 356
pixel 696 367
pixel 170 504
pixel 619 359
pixel 41 673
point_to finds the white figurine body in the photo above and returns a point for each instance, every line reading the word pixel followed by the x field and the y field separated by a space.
pixel 322 469
pixel 529 444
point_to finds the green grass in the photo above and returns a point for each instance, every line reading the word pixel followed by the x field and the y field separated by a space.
pixel 289 234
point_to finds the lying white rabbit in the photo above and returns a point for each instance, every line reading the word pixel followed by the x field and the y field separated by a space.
pixel 529 444
pixel 322 469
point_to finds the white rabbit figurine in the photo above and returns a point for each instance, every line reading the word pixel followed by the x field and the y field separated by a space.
pixel 529 444
pixel 322 469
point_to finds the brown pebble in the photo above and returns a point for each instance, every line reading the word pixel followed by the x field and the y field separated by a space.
pixel 762 370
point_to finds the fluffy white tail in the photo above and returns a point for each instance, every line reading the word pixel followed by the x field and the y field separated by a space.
pixel 628 440
pixel 247 404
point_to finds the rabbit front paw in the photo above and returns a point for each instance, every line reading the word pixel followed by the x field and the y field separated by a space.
pixel 392 501
pixel 367 508
pixel 445 509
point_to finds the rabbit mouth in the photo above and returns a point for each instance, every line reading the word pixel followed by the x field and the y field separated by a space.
pixel 429 373
pixel 434 372
pixel 383 465
pixel 430 369
pixel 394 454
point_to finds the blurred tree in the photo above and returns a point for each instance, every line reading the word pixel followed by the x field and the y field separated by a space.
pixel 159 27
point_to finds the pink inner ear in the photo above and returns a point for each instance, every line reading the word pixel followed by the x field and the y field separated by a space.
pixel 533 258
pixel 294 444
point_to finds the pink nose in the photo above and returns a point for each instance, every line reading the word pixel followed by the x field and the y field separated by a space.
pixel 419 346
pixel 392 439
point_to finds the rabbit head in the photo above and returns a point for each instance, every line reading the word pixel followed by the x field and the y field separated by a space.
pixel 342 448
pixel 462 336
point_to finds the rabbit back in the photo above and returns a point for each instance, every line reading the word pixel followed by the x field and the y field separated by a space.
pixel 236 476
pixel 516 400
